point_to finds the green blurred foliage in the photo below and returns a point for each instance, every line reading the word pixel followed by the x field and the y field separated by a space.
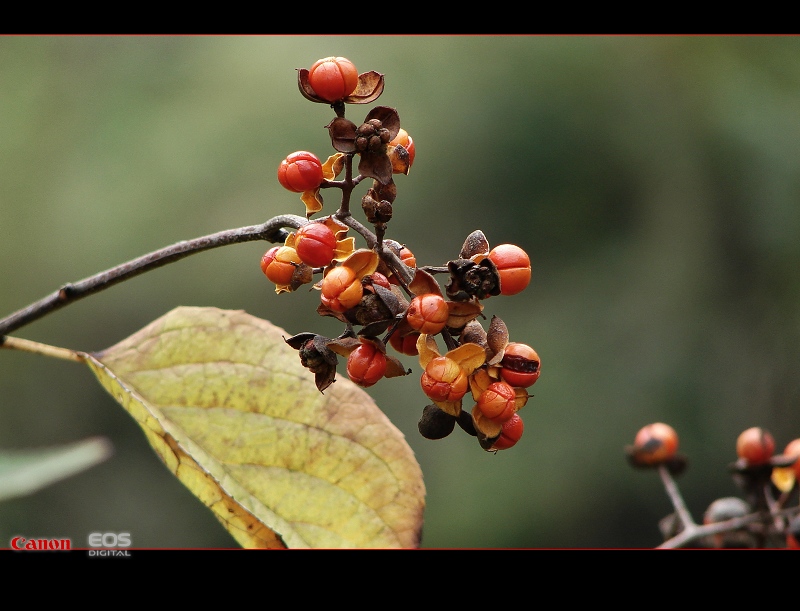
pixel 654 181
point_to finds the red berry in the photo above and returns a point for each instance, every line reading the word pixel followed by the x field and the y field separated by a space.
pixel 333 78
pixel 403 139
pixel 755 445
pixel 341 289
pixel 510 433
pixel 514 267
pixel 366 365
pixel 300 171
pixel 793 449
pixel 278 264
pixel 655 443
pixel 444 380
pixel 498 402
pixel 428 313
pixel 407 257
pixel 405 344
pixel 520 366
pixel 315 244
pixel 377 279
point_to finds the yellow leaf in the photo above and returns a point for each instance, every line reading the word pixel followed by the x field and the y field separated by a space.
pixel 468 356
pixel 783 478
pixel 427 349
pixel 333 166
pixel 226 404
pixel 362 261
pixel 313 201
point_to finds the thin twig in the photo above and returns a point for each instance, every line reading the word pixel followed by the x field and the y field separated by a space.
pixel 675 496
pixel 26 345
pixel 271 231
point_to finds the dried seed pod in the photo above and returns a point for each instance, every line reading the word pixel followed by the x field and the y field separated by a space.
pixel 435 424
pixel 469 279
pixel 316 356
pixel 475 244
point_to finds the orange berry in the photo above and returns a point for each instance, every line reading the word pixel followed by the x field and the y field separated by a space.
pixel 403 139
pixel 407 257
pixel 279 263
pixel 655 443
pixel 510 433
pixel 755 445
pixel 514 267
pixel 444 380
pixel 520 366
pixel 366 365
pixel 793 449
pixel 333 78
pixel 300 171
pixel 498 402
pixel 428 313
pixel 341 289
pixel 315 244
pixel 405 344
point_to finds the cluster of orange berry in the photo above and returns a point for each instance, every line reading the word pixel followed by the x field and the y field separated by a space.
pixel 382 290
pixel 768 480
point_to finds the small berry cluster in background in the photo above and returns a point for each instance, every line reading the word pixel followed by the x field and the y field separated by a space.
pixel 768 515
pixel 387 301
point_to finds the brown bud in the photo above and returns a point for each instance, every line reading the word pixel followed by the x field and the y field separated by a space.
pixel 387 191
pixel 375 144
pixel 376 211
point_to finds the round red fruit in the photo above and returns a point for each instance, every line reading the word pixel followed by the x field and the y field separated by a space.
pixel 793 449
pixel 428 313
pixel 407 257
pixel 444 380
pixel 498 402
pixel 755 445
pixel 300 171
pixel 279 264
pixel 315 244
pixel 403 139
pixel 510 433
pixel 514 267
pixel 333 78
pixel 655 443
pixel 341 289
pixel 405 344
pixel 520 366
pixel 366 365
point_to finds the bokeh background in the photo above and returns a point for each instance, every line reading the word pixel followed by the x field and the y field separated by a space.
pixel 655 182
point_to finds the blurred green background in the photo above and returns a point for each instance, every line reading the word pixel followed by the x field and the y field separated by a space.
pixel 654 181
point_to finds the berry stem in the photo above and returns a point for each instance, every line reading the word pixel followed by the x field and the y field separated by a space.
pixel 449 340
pixel 347 186
pixel 435 269
pixel 26 345
pixel 675 496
